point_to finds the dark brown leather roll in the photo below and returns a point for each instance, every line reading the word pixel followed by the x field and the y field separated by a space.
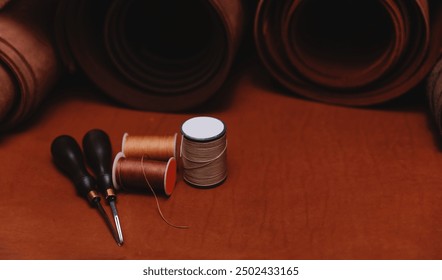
pixel 349 52
pixel 434 92
pixel 161 55
pixel 28 63
pixel 3 3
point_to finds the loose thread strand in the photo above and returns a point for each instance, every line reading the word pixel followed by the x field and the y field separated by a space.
pixel 157 202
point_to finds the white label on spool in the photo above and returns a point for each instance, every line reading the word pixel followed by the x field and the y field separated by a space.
pixel 203 128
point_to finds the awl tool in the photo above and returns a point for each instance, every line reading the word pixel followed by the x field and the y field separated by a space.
pixel 98 150
pixel 68 157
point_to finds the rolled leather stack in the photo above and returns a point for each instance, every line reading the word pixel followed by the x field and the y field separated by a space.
pixel 349 52
pixel 160 55
pixel 29 66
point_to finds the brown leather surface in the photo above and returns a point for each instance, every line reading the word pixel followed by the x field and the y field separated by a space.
pixel 306 181
pixel 158 55
pixel 28 63
pixel 350 53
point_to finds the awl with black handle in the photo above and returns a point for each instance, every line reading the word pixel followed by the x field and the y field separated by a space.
pixel 68 157
pixel 98 151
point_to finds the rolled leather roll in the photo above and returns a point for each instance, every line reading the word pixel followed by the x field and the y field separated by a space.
pixel 28 63
pixel 160 55
pixel 3 3
pixel 349 52
pixel 434 92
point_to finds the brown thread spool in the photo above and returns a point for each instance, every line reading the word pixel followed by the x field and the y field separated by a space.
pixel 138 174
pixel 150 146
pixel 204 151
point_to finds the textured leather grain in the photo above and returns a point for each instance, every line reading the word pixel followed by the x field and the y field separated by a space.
pixel 306 181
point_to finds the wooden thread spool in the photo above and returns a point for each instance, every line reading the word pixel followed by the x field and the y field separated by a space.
pixel 160 148
pixel 139 174
pixel 204 151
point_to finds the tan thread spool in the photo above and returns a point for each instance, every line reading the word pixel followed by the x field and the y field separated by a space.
pixel 204 151
pixel 151 147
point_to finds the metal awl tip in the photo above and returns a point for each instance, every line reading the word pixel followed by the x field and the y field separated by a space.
pixel 117 222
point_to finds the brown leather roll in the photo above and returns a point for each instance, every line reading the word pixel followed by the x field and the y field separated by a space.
pixel 434 92
pixel 3 3
pixel 349 52
pixel 161 55
pixel 28 63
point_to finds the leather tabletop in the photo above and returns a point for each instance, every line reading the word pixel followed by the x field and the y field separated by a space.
pixel 306 181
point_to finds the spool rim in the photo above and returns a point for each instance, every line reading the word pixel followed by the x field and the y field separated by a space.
pixel 114 170
pixel 170 176
pixel 175 141
pixel 206 186
pixel 213 121
pixel 123 142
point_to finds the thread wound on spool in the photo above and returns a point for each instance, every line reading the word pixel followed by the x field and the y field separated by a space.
pixel 150 146
pixel 140 174
pixel 204 151
pixel 137 174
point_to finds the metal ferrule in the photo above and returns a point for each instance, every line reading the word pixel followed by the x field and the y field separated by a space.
pixel 110 193
pixel 92 195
